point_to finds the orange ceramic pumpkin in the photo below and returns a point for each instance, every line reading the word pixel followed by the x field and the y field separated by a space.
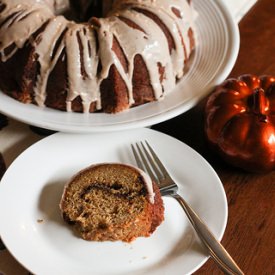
pixel 240 122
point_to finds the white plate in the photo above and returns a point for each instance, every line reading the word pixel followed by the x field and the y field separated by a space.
pixel 216 53
pixel 31 189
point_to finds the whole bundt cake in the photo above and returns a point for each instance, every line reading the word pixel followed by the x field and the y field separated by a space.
pixel 54 53
pixel 112 201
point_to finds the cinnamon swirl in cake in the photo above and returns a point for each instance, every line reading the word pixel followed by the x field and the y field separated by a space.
pixel 112 201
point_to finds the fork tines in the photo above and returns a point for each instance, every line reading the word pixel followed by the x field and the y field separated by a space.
pixel 147 160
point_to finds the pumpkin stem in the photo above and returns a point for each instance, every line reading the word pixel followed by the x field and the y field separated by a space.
pixel 260 104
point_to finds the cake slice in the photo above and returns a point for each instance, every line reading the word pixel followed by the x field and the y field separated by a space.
pixel 112 201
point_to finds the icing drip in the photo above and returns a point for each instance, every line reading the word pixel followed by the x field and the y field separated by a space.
pixel 149 185
pixel 148 45
pixel 82 84
pixel 44 46
pixel 19 21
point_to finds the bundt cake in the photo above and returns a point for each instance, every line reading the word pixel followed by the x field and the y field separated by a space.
pixel 112 201
pixel 53 53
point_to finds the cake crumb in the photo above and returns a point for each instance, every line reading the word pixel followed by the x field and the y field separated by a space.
pixel 144 257
pixel 112 199
pixel 40 220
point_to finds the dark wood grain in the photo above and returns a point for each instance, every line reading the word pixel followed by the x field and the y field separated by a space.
pixel 250 232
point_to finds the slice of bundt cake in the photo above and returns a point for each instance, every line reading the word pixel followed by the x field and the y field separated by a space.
pixel 112 201
pixel 52 54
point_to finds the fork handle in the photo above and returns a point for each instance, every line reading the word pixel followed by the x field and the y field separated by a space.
pixel 216 250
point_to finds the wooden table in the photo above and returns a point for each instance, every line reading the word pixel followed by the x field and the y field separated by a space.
pixel 250 232
pixel 249 236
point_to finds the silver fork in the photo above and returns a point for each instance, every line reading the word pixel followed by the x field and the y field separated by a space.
pixel 147 160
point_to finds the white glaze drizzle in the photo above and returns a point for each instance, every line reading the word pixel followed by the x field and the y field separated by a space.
pixel 149 185
pixel 151 44
pixel 84 86
pixel 44 46
pixel 18 29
